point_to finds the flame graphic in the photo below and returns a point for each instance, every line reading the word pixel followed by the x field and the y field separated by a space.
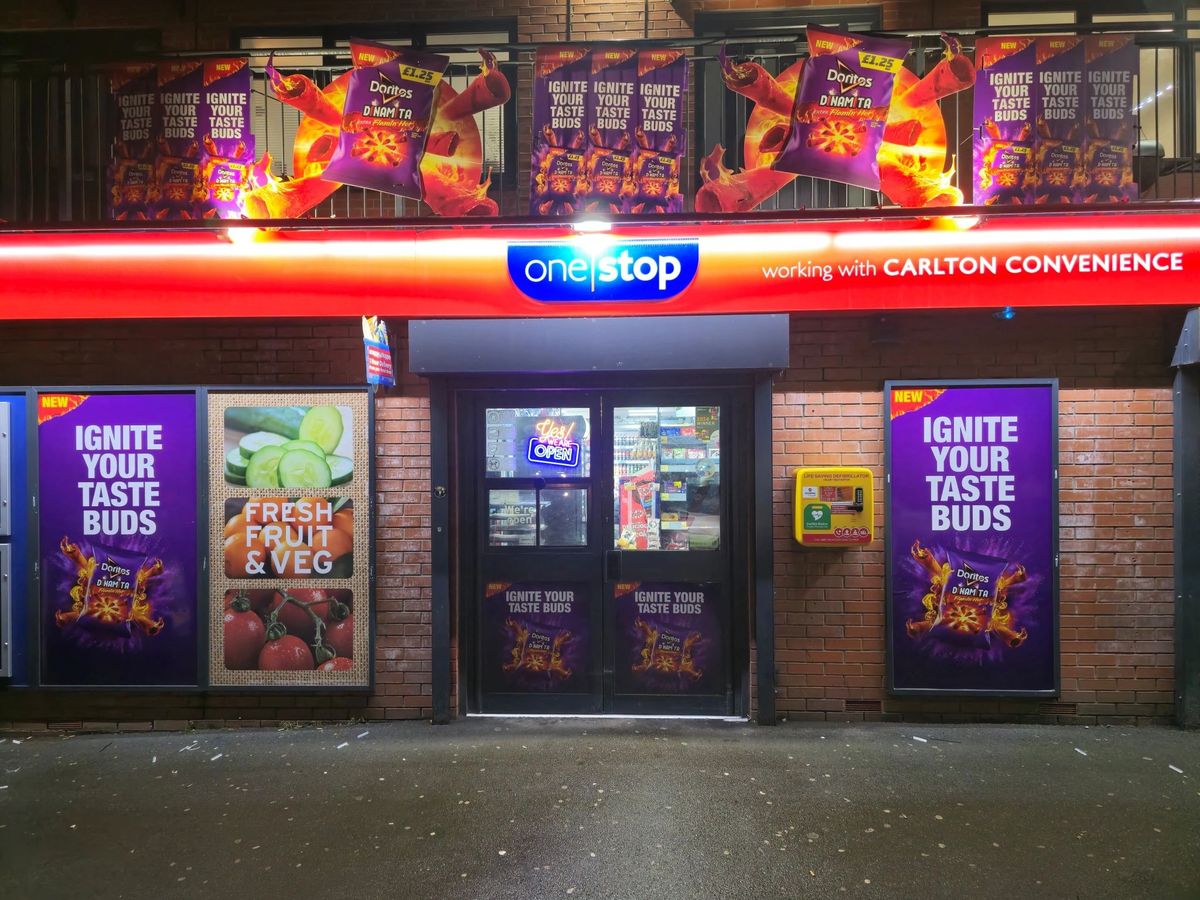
pixel 51 406
pixel 453 185
pixel 913 158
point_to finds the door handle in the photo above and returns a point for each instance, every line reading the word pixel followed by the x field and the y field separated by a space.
pixel 612 565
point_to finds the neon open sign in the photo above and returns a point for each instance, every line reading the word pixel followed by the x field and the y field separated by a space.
pixel 552 445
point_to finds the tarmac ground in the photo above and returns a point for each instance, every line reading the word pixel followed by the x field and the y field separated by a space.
pixel 533 808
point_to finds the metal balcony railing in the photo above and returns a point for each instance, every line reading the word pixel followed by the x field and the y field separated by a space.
pixel 56 121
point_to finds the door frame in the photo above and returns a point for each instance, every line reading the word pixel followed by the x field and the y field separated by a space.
pixel 731 569
pixel 472 550
pixel 752 579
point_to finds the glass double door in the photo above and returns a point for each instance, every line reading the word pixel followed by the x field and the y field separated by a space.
pixel 601 572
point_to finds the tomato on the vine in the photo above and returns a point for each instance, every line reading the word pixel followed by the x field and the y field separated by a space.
pixel 340 636
pixel 245 635
pixel 337 664
pixel 285 654
pixel 294 617
pixel 260 599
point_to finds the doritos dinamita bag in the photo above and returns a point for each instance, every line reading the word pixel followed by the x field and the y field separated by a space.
pixel 969 598
pixel 841 107
pixel 386 119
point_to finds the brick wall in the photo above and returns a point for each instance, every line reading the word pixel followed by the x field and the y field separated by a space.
pixel 1115 514
pixel 258 352
pixel 895 14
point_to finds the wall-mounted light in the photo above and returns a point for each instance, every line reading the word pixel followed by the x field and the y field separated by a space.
pixel 591 226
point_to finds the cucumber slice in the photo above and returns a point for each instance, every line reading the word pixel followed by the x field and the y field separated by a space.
pixel 252 443
pixel 341 468
pixel 301 469
pixel 282 420
pixel 233 477
pixel 311 446
pixel 323 425
pixel 235 462
pixel 263 468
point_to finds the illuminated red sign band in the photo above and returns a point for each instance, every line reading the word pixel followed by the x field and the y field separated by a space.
pixel 1080 259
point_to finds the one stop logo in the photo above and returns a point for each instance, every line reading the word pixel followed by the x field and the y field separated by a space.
pixel 566 271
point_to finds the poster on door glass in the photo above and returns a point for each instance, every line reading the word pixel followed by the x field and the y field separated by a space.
pixel 669 638
pixel 537 637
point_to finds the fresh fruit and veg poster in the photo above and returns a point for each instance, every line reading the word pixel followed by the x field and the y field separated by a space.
pixel 972 545
pixel 290 598
pixel 117 493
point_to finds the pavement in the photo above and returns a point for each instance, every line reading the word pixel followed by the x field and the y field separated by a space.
pixel 524 808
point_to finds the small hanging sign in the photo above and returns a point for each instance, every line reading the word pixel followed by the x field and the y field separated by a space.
pixel 378 352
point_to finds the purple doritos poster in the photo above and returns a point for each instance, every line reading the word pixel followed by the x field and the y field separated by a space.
pixel 133 88
pixel 537 637
pixel 226 143
pixel 661 133
pixel 1005 110
pixel 118 538
pixel 668 638
pixel 177 128
pixel 1059 173
pixel 177 110
pixel 971 534
pixel 561 82
pixel 611 110
pixel 1112 60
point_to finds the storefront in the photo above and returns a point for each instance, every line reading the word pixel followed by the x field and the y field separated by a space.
pixel 589 505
